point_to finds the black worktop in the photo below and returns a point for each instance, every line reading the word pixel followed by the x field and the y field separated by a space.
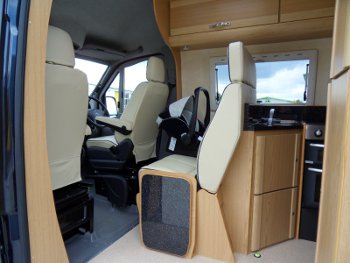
pixel 255 116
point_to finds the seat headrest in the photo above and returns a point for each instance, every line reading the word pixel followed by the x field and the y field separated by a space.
pixel 241 65
pixel 155 70
pixel 59 48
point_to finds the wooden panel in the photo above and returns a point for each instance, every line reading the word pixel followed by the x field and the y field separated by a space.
pixel 276 162
pixel 305 9
pixel 333 169
pixel 343 252
pixel 256 224
pixel 162 15
pixel 341 38
pixel 235 193
pixel 273 217
pixel 199 16
pixel 289 31
pixel 46 244
pixel 294 212
pixel 301 172
pixel 212 239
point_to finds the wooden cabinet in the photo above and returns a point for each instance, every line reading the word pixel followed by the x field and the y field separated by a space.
pixel 341 39
pixel 276 162
pixel 198 24
pixel 273 218
pixel 193 16
pixel 292 10
pixel 275 188
pixel 259 192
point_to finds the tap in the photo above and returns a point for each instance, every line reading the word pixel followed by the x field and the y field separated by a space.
pixel 270 119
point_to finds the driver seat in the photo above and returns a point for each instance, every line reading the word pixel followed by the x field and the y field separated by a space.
pixel 135 132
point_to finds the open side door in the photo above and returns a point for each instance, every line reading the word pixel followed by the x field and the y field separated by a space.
pixel 14 241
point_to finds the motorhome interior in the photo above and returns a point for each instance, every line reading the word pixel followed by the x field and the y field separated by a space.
pixel 173 130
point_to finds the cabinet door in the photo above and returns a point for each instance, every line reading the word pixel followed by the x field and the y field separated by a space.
pixel 334 215
pixel 273 218
pixel 292 10
pixel 191 16
pixel 276 162
pixel 341 38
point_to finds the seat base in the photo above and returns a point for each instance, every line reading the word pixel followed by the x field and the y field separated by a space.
pixel 75 209
pixel 113 158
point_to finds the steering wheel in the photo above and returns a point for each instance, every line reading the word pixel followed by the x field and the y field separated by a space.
pixel 93 113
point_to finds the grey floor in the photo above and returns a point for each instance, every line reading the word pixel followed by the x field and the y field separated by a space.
pixel 109 225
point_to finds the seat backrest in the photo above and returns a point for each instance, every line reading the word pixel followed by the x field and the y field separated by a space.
pixel 146 103
pixel 222 135
pixel 66 109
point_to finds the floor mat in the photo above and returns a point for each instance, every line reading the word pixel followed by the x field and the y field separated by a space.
pixel 109 225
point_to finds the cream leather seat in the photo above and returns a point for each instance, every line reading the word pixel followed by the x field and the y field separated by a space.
pixel 170 182
pixel 138 121
pixel 223 133
pixel 66 109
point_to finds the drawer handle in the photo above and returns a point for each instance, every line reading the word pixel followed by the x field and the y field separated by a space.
pixel 317 145
pixel 315 170
pixel 220 24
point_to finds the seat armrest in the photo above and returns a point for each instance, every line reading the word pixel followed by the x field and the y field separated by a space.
pixel 120 125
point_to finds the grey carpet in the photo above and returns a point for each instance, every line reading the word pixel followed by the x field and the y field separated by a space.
pixel 109 225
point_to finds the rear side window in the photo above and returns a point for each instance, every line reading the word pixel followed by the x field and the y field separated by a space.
pixel 282 78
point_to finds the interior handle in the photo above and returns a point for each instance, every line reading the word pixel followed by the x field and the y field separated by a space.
pixel 220 24
pixel 318 145
pixel 315 170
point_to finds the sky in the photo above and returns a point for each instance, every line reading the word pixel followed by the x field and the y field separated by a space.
pixel 277 79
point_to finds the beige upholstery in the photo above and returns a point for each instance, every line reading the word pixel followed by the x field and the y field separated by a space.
pixel 222 135
pixel 104 142
pixel 88 131
pixel 59 48
pixel 175 164
pixel 66 109
pixel 140 115
pixel 241 65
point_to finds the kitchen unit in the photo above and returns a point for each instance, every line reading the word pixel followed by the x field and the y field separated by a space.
pixel 262 184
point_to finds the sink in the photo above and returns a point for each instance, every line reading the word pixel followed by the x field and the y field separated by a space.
pixel 262 124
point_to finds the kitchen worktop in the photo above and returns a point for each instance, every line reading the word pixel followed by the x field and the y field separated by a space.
pixel 285 116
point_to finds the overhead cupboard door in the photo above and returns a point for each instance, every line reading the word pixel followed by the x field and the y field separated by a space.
pixel 292 10
pixel 193 16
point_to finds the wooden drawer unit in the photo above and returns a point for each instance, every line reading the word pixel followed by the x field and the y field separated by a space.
pixel 276 161
pixel 292 10
pixel 273 218
pixel 193 16
pixel 261 189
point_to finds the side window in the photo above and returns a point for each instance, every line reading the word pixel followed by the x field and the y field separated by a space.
pixel 93 71
pixel 125 82
pixel 112 96
pixel 282 78
pixel 133 75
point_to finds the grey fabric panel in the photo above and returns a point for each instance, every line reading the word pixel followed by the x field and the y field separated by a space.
pixel 166 214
